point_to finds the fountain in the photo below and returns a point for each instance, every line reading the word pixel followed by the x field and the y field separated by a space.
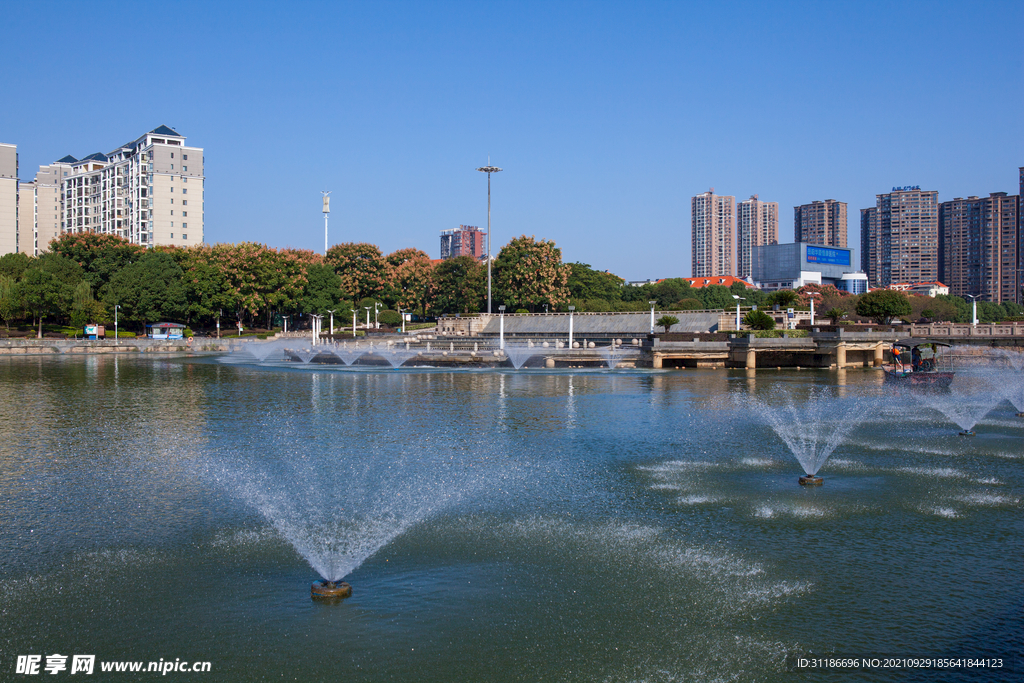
pixel 812 428
pixel 609 355
pixel 519 354
pixel 347 354
pixel 338 507
pixel 1012 383
pixel 262 350
pixel 971 396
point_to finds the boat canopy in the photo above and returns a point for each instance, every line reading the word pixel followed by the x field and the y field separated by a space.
pixel 911 343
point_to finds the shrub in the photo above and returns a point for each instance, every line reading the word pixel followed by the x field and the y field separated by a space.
pixel 389 318
pixel 759 320
pixel 688 305
pixel 521 310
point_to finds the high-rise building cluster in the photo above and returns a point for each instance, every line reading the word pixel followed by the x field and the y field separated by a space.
pixel 140 191
pixel 909 239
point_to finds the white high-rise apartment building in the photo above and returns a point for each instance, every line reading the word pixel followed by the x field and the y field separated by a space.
pixel 712 224
pixel 757 225
pixel 149 191
pixel 8 198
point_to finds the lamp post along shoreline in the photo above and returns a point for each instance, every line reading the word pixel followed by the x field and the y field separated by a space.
pixel 327 211
pixel 488 169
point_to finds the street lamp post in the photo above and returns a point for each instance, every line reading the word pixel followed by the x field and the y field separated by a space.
pixel 974 309
pixel 652 303
pixel 571 309
pixel 117 337
pixel 738 300
pixel 327 211
pixel 501 328
pixel 285 319
pixel 220 312
pixel 811 295
pixel 488 169
pixel 401 314
pixel 367 316
pixel 332 323
pixel 376 308
pixel 354 323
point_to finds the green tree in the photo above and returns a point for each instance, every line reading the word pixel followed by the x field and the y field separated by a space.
pixel 716 296
pixel 390 318
pixel 883 305
pixel 587 283
pixel 666 321
pixel 759 320
pixel 784 298
pixel 362 269
pixel 149 290
pixel 85 308
pixel 322 291
pixel 688 305
pixel 10 305
pixel 951 308
pixel 100 256
pixel 835 314
pixel 413 281
pixel 14 265
pixel 672 289
pixel 40 292
pixel 460 286
pixel 529 273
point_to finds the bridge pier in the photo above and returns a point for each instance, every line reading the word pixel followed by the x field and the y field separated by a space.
pixel 751 359
pixel 879 349
pixel 840 355
pixel 656 362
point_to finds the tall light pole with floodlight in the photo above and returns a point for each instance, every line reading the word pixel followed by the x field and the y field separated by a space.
pixel 652 303
pixel 327 211
pixel 117 337
pixel 354 311
pixel 332 323
pixel 284 318
pixel 488 169
pixel 376 308
pixel 367 316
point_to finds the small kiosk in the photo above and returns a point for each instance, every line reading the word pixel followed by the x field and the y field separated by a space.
pixel 165 331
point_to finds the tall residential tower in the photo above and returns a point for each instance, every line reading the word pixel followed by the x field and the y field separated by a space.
pixel 900 237
pixel 979 244
pixel 712 225
pixel 757 225
pixel 820 222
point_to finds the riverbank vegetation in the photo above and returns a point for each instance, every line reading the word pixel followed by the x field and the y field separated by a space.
pixel 82 278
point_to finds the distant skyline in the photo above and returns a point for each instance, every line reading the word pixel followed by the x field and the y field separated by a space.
pixel 606 118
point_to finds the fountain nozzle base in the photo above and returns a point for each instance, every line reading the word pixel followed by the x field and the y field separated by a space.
pixel 967 432
pixel 330 589
pixel 811 480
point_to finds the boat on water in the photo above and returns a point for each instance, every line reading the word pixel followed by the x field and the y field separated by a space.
pixel 920 363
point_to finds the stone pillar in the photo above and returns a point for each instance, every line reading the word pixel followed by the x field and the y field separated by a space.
pixel 841 355
pixel 549 363
pixel 656 361
pixel 751 359
pixel 878 355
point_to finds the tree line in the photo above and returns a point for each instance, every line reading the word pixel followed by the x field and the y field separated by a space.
pixel 83 277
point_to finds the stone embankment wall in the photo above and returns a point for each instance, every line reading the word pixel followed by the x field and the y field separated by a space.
pixel 35 347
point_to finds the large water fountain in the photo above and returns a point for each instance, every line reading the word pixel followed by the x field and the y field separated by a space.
pixel 970 397
pixel 814 425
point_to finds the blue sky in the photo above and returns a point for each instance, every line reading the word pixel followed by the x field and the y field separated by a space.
pixel 607 117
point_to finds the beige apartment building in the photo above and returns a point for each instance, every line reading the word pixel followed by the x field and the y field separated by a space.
pixel 820 222
pixel 8 199
pixel 979 243
pixel 712 219
pixel 149 191
pixel 900 237
pixel 757 225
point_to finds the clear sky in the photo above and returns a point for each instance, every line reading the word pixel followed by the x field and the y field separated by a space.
pixel 606 116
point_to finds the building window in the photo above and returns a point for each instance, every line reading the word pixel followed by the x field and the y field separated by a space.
pixel 172 167
pixel 184 214
pixel 184 236
pixel 183 190
pixel 183 201
pixel 172 189
pixel 184 226
pixel 184 179
pixel 172 155
pixel 172 212
pixel 184 157
pixel 172 235
pixel 185 169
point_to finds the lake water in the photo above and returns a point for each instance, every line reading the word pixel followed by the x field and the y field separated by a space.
pixel 558 526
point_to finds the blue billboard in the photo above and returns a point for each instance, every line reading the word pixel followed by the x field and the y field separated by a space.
pixel 839 257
